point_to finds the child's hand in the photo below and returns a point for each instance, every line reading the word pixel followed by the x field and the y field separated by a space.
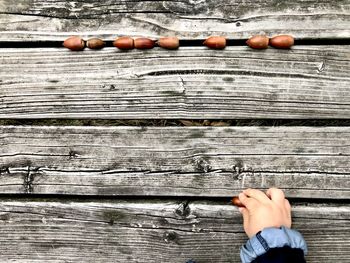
pixel 264 210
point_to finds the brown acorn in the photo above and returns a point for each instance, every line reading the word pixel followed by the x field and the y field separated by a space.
pixel 74 43
pixel 169 42
pixel 235 200
pixel 282 41
pixel 258 42
pixel 124 43
pixel 144 43
pixel 95 43
pixel 215 42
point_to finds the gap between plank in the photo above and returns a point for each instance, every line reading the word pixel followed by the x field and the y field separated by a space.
pixel 175 123
pixel 150 198
pixel 183 43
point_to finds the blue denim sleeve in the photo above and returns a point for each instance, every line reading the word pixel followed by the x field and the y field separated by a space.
pixel 271 238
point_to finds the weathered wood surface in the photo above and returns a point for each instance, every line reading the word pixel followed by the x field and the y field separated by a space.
pixel 32 20
pixel 175 161
pixel 168 231
pixel 193 82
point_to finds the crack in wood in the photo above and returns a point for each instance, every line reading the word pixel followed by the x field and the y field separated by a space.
pixel 231 72
pixel 28 182
pixel 76 16
pixel 182 85
pixel 168 234
pixel 236 170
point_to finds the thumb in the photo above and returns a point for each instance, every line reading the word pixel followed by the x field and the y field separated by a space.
pixel 245 214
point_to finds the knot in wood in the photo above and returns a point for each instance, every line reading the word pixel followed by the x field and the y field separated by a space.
pixel 4 170
pixel 321 67
pixel 183 210
pixel 202 165
pixel 73 154
pixel 170 236
pixel 108 87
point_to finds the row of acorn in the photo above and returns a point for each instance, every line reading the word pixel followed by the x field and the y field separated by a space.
pixel 76 43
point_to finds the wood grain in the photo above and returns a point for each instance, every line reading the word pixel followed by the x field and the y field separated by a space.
pixel 307 82
pixel 307 162
pixel 145 231
pixel 41 20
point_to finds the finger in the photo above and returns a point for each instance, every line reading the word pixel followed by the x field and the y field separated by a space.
pixel 287 205
pixel 235 201
pixel 257 194
pixel 245 214
pixel 288 211
pixel 249 203
pixel 276 195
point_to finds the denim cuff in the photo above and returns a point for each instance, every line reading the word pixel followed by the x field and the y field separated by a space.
pixel 271 238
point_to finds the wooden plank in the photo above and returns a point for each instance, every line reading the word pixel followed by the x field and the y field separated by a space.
pixel 33 20
pixel 309 162
pixel 193 82
pixel 136 231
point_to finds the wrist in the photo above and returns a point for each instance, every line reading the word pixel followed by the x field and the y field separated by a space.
pixel 271 238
